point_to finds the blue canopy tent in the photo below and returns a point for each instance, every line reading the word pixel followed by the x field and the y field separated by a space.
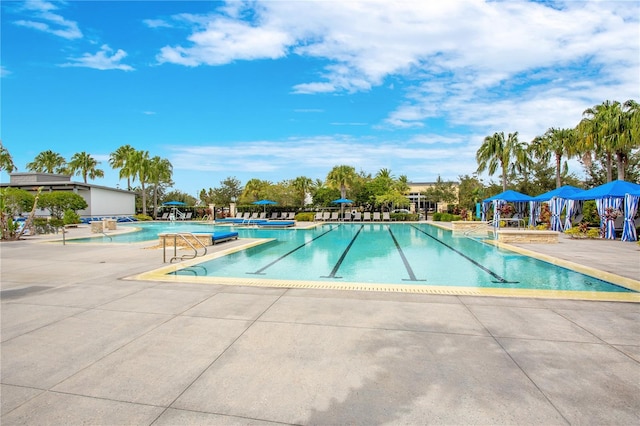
pixel 557 199
pixel 519 199
pixel 609 198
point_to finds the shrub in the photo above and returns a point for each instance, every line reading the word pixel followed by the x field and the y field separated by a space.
pixel 305 217
pixel 446 217
pixel 403 216
pixel 143 217
pixel 70 217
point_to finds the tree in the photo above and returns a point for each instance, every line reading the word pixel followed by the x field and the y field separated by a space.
pixel 139 165
pixel 228 192
pixel 442 192
pixel 13 202
pixel 341 177
pixel 302 186
pixel 560 142
pixel 48 162
pixel 119 159
pixel 470 191
pixel 6 161
pixel 509 154
pixel 85 165
pixel 59 201
pixel 610 129
pixel 160 172
pixel 254 190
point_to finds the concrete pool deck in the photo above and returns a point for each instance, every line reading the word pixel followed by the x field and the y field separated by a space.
pixel 81 345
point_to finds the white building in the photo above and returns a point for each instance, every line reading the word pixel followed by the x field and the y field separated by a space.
pixel 101 200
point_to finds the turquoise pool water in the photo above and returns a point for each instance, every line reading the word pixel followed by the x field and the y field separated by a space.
pixel 417 254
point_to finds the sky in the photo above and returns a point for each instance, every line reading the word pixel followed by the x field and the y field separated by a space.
pixel 279 89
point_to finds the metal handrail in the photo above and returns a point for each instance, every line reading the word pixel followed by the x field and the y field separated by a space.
pixel 182 236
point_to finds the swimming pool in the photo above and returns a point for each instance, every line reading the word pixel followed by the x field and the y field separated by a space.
pixel 406 254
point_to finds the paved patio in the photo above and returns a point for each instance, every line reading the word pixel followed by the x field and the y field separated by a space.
pixel 80 345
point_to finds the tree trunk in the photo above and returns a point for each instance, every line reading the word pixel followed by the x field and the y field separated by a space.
pixel 621 160
pixel 558 164
pixel 609 168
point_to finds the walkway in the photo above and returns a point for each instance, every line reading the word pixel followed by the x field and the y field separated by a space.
pixel 80 345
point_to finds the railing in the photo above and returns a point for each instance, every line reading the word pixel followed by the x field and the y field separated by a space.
pixel 182 236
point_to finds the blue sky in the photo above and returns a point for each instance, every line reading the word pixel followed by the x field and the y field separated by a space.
pixel 279 89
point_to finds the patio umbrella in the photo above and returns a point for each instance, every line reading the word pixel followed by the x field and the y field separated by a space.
pixel 174 203
pixel 342 202
pixel 264 203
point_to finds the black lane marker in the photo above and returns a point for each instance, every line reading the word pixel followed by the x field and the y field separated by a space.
pixel 259 271
pixel 493 274
pixel 412 276
pixel 344 254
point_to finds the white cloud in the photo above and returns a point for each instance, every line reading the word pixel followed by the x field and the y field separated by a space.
pixel 157 23
pixel 105 59
pixel 477 63
pixel 44 19
pixel 4 71
pixel 315 156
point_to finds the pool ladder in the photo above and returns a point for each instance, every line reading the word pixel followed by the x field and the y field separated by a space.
pixel 183 237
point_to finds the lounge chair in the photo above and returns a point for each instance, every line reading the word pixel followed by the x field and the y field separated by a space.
pixel 335 216
pixel 317 217
pixel 165 216
pixel 367 216
pixel 274 215
pixel 263 215
pixel 290 216
pixel 254 215
pixel 188 215
pixel 239 215
pixel 246 216
pixel 376 216
pixel 347 216
pixel 326 216
pixel 357 216
pixel 386 216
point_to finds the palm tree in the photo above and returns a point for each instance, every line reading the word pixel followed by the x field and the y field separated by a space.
pixel 139 165
pixel 560 142
pixel 85 165
pixel 118 160
pixel 6 161
pixel 255 189
pixel 610 129
pixel 509 154
pixel 302 185
pixel 341 177
pixel 48 162
pixel 160 171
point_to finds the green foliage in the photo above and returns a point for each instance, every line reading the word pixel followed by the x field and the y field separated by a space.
pixel 445 217
pixel 143 217
pixel 305 217
pixel 583 232
pixel 442 191
pixel 43 225
pixel 407 217
pixel 59 201
pixel 70 217
pixel 590 213
pixel 14 201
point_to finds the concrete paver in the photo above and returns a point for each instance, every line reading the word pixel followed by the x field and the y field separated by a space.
pixel 83 345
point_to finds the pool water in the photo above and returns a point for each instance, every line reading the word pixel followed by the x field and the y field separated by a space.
pixel 416 254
